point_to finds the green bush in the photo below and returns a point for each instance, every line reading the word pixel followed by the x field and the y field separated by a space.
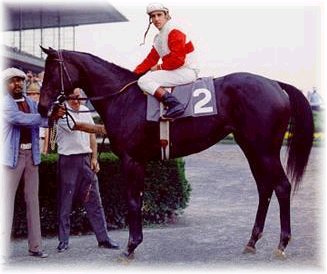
pixel 166 194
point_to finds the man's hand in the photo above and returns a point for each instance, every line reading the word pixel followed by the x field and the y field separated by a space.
pixel 95 165
pixel 58 111
pixel 156 67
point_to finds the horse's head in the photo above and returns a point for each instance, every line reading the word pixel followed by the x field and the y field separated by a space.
pixel 60 76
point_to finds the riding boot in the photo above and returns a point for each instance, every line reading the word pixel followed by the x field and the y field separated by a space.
pixel 175 108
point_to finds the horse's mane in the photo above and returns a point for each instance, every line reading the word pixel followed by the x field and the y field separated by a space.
pixel 123 73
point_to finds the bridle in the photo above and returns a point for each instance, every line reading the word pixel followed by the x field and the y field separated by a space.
pixel 62 97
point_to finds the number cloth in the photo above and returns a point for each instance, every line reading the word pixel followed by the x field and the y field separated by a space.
pixel 198 97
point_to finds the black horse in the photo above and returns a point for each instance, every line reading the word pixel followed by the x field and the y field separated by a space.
pixel 255 109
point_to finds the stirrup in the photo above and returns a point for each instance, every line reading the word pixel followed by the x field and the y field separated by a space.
pixel 164 118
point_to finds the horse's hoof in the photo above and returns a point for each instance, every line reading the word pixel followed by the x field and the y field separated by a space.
pixel 249 250
pixel 123 260
pixel 280 254
pixel 125 257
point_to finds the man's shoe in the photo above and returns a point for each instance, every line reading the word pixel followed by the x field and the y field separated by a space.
pixel 108 244
pixel 39 254
pixel 62 246
pixel 174 112
pixel 175 108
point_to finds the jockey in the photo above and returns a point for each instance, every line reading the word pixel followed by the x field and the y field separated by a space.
pixel 177 67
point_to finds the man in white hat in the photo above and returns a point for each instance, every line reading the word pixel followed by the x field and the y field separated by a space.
pixel 21 155
pixel 177 65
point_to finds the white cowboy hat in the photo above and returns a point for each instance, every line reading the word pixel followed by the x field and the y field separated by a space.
pixel 12 72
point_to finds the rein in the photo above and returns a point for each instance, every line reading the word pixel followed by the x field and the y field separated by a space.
pixel 62 96
pixel 97 98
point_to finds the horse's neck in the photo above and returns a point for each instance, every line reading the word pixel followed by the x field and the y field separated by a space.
pixel 102 78
pixel 102 83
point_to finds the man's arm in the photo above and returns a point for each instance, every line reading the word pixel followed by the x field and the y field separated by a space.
pixel 94 158
pixel 151 60
pixel 20 118
pixel 86 127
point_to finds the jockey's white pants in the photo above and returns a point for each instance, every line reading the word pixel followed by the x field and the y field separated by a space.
pixel 152 80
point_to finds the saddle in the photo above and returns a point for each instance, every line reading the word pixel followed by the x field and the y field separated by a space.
pixel 198 98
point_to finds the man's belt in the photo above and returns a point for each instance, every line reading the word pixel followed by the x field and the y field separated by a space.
pixel 26 146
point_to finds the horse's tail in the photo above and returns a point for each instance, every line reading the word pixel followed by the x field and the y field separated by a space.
pixel 301 131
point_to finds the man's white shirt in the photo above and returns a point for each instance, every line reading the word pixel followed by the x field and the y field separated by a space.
pixel 74 141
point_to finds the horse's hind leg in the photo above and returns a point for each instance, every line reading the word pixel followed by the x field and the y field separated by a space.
pixel 272 177
pixel 264 200
pixel 269 175
pixel 283 193
pixel 260 170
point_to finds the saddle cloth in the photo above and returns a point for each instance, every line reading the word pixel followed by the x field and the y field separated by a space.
pixel 198 97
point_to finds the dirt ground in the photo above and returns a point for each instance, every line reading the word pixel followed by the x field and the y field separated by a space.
pixel 213 230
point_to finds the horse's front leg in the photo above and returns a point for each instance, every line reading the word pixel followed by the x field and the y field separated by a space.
pixel 134 175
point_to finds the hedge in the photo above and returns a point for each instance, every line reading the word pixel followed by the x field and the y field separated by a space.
pixel 166 194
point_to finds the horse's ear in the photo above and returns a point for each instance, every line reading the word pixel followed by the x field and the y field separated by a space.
pixel 48 51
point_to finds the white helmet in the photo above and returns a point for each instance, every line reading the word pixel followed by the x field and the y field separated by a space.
pixel 12 72
pixel 156 7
